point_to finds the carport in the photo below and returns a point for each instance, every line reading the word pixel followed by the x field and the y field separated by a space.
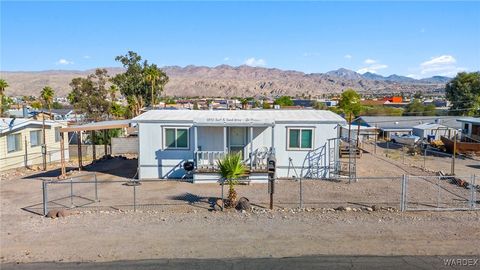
pixel 89 127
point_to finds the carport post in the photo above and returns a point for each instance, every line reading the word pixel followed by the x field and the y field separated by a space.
pixel 473 199
pixel 79 153
pixel 45 197
pixel 94 150
pixel 105 142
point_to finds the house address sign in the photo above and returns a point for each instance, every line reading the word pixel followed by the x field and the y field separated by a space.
pixel 232 121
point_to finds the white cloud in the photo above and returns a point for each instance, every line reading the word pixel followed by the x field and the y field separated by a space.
pixel 64 62
pixel 372 68
pixel 255 62
pixel 86 57
pixel 347 56
pixel 443 65
pixel 226 58
pixel 369 61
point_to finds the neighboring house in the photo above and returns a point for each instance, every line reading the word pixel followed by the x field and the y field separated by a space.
pixel 470 128
pixel 388 125
pixel 58 114
pixel 299 139
pixel 24 136
pixel 432 131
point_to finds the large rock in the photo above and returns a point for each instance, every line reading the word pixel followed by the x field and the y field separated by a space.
pixel 52 213
pixel 243 204
pixel 63 213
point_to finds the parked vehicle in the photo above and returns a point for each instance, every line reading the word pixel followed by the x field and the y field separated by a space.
pixel 404 139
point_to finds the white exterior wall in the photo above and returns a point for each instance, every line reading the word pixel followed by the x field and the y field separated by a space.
pixel 321 134
pixel 156 162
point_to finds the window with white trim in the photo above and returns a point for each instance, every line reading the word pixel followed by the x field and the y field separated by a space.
pixel 14 142
pixel 300 138
pixel 176 138
pixel 35 138
pixel 57 134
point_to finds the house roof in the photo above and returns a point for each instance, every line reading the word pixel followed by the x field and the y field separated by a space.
pixel 6 124
pixel 102 125
pixel 470 120
pixel 389 123
pixel 427 126
pixel 239 117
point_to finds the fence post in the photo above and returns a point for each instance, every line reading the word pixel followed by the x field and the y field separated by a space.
pixel 301 193
pixel 424 159
pixel 473 188
pixel 96 187
pixel 223 200
pixel 134 197
pixel 45 198
pixel 388 147
pixel 402 196
pixel 71 192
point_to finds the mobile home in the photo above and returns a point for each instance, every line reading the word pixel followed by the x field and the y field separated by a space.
pixel 21 142
pixel 301 140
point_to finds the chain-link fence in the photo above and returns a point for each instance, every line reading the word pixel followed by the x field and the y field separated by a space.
pixel 88 192
pixel 441 193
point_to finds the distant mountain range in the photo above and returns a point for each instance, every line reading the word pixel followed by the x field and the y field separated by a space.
pixel 243 80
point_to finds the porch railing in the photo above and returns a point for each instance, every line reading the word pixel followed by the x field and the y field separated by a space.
pixel 208 159
pixel 257 160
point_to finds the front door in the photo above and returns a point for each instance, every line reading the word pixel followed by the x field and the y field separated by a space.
pixel 237 140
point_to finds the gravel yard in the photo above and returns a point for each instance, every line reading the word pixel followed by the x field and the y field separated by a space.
pixel 174 220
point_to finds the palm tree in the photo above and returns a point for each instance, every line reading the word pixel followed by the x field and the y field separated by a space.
pixel 3 86
pixel 152 75
pixel 230 169
pixel 46 96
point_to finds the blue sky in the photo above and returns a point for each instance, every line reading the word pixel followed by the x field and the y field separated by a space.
pixel 418 39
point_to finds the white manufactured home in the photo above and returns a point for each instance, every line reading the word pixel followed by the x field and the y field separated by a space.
pixel 303 142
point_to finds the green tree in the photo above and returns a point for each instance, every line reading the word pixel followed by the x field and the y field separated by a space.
pixel 46 95
pixel 463 92
pixel 416 108
pixel 266 105
pixel 90 95
pixel 195 106
pixel 57 105
pixel 112 91
pixel 317 105
pixel 231 168
pixel 117 110
pixel 3 87
pixel 244 103
pixel 5 103
pixel 140 78
pixel 36 104
pixel 100 138
pixel 283 101
pixel 350 103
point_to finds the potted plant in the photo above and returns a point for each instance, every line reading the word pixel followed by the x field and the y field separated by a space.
pixel 231 169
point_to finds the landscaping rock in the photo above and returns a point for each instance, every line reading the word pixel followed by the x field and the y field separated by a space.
pixel 63 213
pixel 375 208
pixel 243 204
pixel 52 213
pixel 348 209
pixel 341 208
pixel 369 209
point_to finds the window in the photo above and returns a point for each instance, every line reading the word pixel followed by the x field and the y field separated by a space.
pixel 176 138
pixel 35 138
pixel 300 138
pixel 14 143
pixel 57 134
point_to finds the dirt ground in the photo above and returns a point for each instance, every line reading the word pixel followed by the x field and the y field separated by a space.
pixel 174 220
